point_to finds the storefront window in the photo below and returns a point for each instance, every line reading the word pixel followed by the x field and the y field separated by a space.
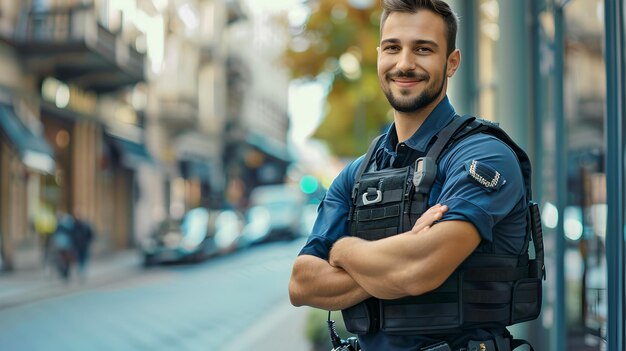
pixel 584 218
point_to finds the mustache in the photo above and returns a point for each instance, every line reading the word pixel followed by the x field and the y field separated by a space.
pixel 408 74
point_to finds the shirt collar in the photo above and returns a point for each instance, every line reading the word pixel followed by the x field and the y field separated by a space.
pixel 438 118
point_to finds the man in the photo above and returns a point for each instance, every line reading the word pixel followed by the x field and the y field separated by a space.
pixel 478 204
pixel 82 235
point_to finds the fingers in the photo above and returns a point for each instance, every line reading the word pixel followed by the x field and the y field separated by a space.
pixel 434 209
pixel 431 215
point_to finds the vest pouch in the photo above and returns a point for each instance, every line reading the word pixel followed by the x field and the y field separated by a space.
pixel 489 285
pixel 362 317
pixel 438 311
pixel 379 204
pixel 526 300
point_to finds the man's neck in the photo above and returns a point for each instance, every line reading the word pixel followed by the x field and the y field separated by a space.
pixel 407 123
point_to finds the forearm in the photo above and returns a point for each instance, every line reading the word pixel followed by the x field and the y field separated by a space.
pixel 314 282
pixel 377 266
pixel 406 264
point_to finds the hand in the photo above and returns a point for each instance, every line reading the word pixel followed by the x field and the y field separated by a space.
pixel 344 243
pixel 429 217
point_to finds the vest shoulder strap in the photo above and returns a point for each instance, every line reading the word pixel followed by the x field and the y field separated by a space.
pixel 367 160
pixel 444 139
pixel 445 135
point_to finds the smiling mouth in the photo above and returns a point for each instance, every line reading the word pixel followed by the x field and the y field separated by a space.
pixel 407 83
pixel 416 80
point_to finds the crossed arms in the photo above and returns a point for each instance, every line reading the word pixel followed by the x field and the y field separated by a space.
pixel 406 264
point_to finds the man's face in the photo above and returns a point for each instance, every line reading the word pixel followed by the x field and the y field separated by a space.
pixel 412 61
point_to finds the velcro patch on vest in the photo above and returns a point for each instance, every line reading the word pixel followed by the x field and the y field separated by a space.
pixel 378 213
pixel 485 175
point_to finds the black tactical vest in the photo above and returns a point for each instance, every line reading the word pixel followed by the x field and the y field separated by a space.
pixel 486 291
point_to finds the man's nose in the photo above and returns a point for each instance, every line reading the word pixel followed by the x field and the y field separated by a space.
pixel 406 61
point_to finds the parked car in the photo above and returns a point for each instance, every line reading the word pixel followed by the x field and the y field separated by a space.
pixel 274 213
pixel 228 229
pixel 309 215
pixel 200 234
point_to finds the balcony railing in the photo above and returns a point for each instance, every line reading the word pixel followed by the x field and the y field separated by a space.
pixel 70 44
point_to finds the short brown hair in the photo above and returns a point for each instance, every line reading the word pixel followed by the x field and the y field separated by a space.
pixel 439 7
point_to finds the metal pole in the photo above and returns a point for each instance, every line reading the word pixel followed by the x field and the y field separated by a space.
pixel 538 335
pixel 561 179
pixel 614 129
pixel 463 84
pixel 512 105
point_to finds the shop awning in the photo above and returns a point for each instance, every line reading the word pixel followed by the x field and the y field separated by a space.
pixel 131 153
pixel 269 146
pixel 190 168
pixel 199 156
pixel 33 149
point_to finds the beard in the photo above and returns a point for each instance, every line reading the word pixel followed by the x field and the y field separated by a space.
pixel 425 98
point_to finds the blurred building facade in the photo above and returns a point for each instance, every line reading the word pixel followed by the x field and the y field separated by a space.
pixel 259 103
pixel 552 74
pixel 131 111
pixel 68 67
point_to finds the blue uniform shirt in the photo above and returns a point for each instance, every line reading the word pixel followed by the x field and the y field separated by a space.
pixel 496 208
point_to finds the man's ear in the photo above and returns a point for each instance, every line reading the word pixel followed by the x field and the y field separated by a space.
pixel 454 61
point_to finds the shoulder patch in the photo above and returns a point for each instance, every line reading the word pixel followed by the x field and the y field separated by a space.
pixel 484 175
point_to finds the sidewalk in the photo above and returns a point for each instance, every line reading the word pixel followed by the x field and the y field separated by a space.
pixel 35 284
pixel 282 329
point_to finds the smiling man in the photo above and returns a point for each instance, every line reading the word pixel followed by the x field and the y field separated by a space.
pixel 423 241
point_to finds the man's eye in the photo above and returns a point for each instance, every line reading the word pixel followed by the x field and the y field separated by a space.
pixel 392 48
pixel 423 50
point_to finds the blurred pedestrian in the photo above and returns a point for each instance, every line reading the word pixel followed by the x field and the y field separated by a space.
pixel 82 235
pixel 45 224
pixel 62 246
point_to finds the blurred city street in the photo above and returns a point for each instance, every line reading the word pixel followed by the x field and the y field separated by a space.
pixel 235 302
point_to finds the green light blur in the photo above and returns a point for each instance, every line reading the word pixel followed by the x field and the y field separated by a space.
pixel 308 184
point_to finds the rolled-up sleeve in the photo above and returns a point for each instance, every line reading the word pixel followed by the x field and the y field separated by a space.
pixel 332 214
pixel 480 181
